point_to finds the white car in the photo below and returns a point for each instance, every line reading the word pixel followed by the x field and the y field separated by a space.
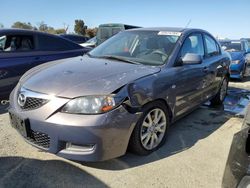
pixel 90 43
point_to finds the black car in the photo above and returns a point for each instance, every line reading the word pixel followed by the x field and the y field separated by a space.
pixel 237 171
pixel 75 38
pixel 21 50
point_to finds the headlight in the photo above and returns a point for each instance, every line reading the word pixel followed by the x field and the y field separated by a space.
pixel 91 104
pixel 236 62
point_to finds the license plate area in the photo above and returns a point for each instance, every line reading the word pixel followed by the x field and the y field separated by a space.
pixel 20 124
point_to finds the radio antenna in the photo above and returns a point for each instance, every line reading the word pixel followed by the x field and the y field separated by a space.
pixel 188 23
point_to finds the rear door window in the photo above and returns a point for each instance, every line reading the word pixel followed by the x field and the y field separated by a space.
pixel 53 44
pixel 16 43
pixel 212 48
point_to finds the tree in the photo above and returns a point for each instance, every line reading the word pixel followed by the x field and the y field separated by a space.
pixel 1 25
pixel 80 27
pixel 91 32
pixel 42 27
pixel 45 28
pixel 22 25
pixel 60 31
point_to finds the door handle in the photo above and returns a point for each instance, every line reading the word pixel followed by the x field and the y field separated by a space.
pixel 205 69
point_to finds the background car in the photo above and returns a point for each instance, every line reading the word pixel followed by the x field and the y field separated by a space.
pixel 237 170
pixel 124 93
pixel 75 38
pixel 21 50
pixel 91 43
pixel 239 51
pixel 105 31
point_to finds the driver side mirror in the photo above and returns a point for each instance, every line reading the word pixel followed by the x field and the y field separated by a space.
pixel 190 59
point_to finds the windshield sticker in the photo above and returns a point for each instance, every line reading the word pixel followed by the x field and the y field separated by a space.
pixel 169 33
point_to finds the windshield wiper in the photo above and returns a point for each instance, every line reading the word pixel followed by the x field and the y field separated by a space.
pixel 119 59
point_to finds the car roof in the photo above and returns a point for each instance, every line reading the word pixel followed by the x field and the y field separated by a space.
pixel 170 29
pixel 234 40
pixel 23 31
pixel 73 35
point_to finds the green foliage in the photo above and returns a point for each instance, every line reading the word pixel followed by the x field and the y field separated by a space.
pixel 91 32
pixel 45 28
pixel 60 31
pixel 22 25
pixel 80 27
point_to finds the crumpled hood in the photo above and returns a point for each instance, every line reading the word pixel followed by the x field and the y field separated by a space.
pixel 81 76
pixel 236 55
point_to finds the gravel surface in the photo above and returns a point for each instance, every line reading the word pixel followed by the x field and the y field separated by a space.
pixel 194 155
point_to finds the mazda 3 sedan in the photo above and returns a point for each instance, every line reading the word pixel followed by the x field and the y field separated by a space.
pixel 122 95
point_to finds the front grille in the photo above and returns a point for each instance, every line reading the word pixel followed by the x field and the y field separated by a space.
pixel 33 103
pixel 39 139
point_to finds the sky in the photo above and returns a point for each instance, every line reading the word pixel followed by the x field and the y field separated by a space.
pixel 222 18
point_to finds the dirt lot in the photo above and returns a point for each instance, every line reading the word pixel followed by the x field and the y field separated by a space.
pixel 194 156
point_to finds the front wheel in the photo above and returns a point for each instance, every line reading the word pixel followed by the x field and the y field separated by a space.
pixel 242 73
pixel 150 131
pixel 220 96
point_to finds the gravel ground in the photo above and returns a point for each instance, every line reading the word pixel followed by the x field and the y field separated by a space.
pixel 194 156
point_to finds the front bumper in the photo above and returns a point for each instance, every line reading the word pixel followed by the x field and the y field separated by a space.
pixel 108 133
pixel 235 70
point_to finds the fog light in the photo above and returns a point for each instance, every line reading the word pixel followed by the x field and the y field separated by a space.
pixel 79 148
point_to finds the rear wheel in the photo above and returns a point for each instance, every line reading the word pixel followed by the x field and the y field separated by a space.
pixel 150 131
pixel 220 96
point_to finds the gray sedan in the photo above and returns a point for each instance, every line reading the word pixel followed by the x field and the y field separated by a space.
pixel 123 94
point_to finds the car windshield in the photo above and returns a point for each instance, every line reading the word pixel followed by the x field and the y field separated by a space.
pixel 231 46
pixel 145 47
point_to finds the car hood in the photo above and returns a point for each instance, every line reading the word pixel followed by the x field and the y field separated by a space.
pixel 236 55
pixel 81 76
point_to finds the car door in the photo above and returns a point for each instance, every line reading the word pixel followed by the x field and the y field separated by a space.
pixel 16 58
pixel 214 67
pixel 190 77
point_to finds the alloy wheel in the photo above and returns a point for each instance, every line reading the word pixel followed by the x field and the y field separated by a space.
pixel 153 128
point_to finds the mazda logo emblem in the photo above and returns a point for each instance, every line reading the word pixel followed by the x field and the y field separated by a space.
pixel 21 99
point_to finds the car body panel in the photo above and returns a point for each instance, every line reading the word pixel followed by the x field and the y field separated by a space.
pixel 79 39
pixel 100 77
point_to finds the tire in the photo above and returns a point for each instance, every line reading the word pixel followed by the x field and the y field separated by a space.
pixel 242 74
pixel 137 143
pixel 220 96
